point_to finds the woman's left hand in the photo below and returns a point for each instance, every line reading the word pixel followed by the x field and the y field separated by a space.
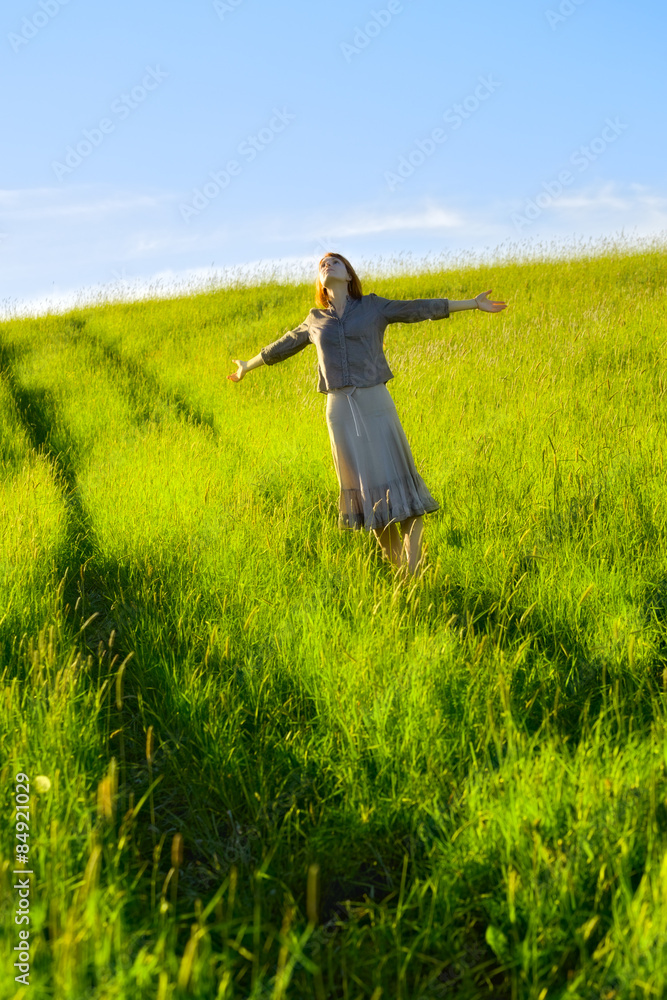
pixel 485 305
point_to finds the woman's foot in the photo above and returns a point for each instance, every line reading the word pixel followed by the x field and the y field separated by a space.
pixel 413 529
pixel 403 549
pixel 391 544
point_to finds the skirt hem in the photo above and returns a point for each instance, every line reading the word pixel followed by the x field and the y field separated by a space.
pixel 346 523
pixel 379 506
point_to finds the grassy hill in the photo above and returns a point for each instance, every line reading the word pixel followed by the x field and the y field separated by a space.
pixel 276 771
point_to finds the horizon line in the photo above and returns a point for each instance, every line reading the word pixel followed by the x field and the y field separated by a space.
pixel 297 270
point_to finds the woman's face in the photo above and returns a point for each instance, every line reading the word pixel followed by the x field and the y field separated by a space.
pixel 331 270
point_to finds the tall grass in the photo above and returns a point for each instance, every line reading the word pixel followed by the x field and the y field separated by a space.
pixel 276 770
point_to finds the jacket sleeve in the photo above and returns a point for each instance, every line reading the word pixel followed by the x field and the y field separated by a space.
pixel 412 310
pixel 287 345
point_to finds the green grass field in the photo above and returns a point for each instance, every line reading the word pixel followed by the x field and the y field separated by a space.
pixel 277 771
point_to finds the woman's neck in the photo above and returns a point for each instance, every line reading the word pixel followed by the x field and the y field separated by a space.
pixel 337 296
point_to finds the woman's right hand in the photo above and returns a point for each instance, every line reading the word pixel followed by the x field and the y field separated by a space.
pixel 240 371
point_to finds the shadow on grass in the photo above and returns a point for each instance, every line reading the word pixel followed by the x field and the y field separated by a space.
pixel 555 676
pixel 36 411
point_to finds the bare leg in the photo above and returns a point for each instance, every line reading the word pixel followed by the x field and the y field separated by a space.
pixel 412 528
pixel 390 541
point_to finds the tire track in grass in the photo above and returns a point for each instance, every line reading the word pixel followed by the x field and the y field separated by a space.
pixel 90 591
pixel 84 592
pixel 93 615
pixel 38 414
pixel 87 610
pixel 141 384
pixel 18 621
pixel 36 411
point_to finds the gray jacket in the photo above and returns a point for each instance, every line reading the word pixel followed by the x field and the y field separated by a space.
pixel 349 349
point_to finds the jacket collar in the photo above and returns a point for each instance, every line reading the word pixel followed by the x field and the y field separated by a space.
pixel 348 305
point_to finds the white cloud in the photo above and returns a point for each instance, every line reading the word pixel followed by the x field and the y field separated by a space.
pixel 638 203
pixel 79 202
pixel 602 208
pixel 362 223
pixel 631 205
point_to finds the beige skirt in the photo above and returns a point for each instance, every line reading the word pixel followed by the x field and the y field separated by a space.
pixel 378 479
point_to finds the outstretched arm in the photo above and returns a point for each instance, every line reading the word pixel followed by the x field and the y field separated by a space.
pixel 479 302
pixel 285 347
pixel 417 310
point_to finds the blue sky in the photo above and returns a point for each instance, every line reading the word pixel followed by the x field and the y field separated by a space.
pixel 381 130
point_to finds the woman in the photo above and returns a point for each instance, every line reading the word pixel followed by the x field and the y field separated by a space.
pixel 380 487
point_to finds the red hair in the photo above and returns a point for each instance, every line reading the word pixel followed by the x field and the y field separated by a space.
pixel 353 285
